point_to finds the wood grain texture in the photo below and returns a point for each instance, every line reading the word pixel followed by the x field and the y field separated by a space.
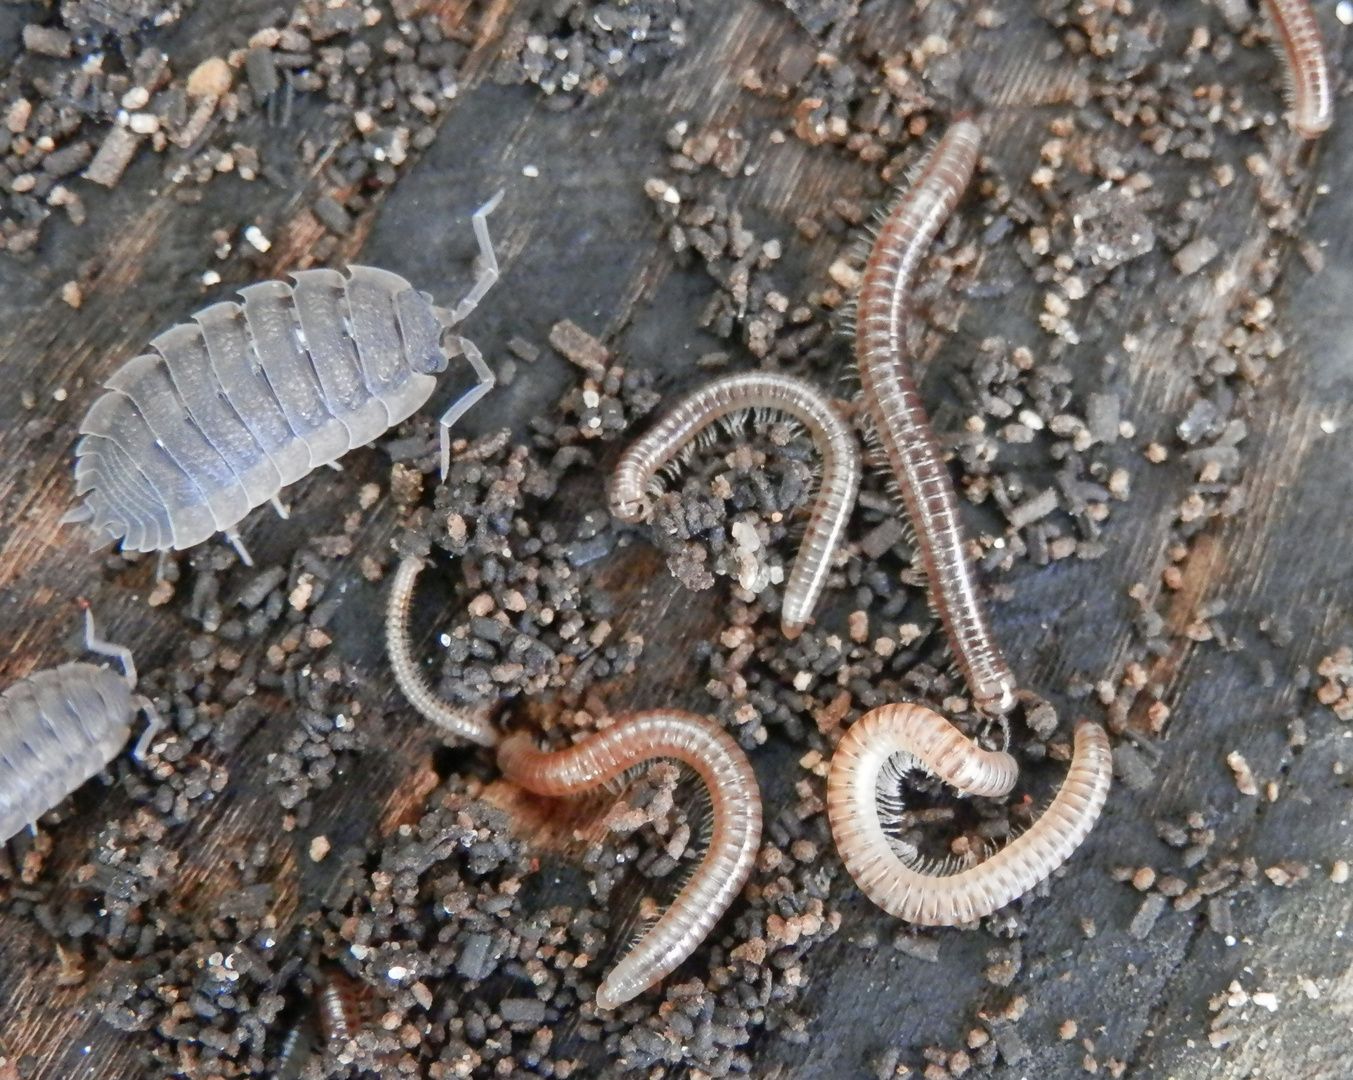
pixel 1144 1002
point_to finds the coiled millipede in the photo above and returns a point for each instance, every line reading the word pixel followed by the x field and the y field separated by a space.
pixel 892 876
pixel 835 498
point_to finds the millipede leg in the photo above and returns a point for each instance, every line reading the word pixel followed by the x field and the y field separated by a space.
pixel 277 505
pixel 121 653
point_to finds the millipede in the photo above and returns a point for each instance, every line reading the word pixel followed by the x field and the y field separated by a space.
pixel 835 497
pixel 1308 76
pixel 735 801
pixel 923 738
pixel 408 674
pixel 899 419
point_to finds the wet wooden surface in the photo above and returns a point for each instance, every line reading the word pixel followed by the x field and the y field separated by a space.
pixel 581 242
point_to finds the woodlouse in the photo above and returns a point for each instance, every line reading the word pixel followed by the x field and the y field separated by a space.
pixel 338 1004
pixel 61 726
pixel 899 419
pixel 758 390
pixel 1308 76
pixel 245 400
pixel 736 802
pixel 473 726
pixel 926 739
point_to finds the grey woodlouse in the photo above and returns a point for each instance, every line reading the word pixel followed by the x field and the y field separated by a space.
pixel 245 400
pixel 736 803
pixel 899 419
pixel 924 738
pixel 1308 76
pixel 61 726
pixel 466 723
pixel 836 493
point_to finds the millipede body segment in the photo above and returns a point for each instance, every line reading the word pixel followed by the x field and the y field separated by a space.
pixel 935 899
pixel 61 726
pixel 736 802
pixel 894 406
pixel 408 673
pixel 1312 98
pixel 247 399
pixel 841 468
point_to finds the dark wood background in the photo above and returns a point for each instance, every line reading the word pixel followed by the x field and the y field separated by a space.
pixel 581 241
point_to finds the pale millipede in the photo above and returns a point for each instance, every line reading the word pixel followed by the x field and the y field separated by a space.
pixel 1308 75
pixel 936 899
pixel 408 673
pixel 841 469
pixel 899 418
pixel 735 800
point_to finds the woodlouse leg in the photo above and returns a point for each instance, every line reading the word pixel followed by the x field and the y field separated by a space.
pixel 233 535
pixel 282 511
pixel 154 725
pixel 466 401
pixel 121 653
pixel 462 722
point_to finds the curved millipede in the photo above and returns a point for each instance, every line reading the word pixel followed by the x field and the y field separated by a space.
pixel 947 900
pixel 408 673
pixel 1308 75
pixel 836 493
pixel 735 798
pixel 61 726
pixel 247 399
pixel 899 418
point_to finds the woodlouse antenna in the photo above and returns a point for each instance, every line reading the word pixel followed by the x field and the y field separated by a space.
pixel 715 401
pixel 736 812
pixel 408 672
pixel 931 899
pixel 899 419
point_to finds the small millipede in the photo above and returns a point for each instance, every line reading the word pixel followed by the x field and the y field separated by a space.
pixel 408 673
pixel 298 1047
pixel 61 726
pixel 758 390
pixel 245 400
pixel 899 419
pixel 735 801
pixel 926 739
pixel 1308 75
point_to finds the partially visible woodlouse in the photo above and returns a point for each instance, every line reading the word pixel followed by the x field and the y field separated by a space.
pixel 926 739
pixel 758 390
pixel 61 726
pixel 899 419
pixel 465 723
pixel 736 802
pixel 1308 75
pixel 247 399
pixel 339 1005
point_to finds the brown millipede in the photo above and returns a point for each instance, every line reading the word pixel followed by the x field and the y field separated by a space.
pixel 408 674
pixel 736 801
pixel 1308 75
pixel 899 418
pixel 927 739
pixel 758 390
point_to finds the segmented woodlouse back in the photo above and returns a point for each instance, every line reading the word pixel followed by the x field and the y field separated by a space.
pixel 251 397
